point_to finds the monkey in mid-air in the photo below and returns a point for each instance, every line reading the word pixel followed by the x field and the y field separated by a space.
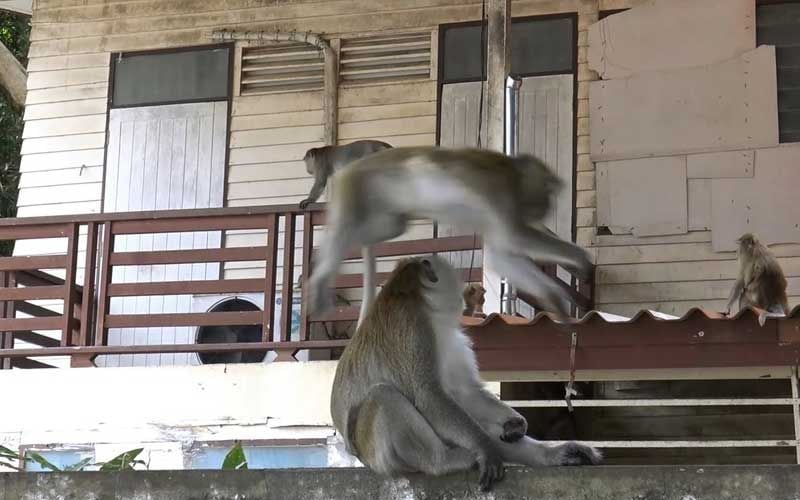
pixel 474 298
pixel 500 197
pixel 407 396
pixel 760 282
pixel 322 162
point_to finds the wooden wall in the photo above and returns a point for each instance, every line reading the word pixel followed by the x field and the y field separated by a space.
pixel 66 120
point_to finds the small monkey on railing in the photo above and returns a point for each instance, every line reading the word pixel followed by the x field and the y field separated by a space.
pixel 322 162
pixel 474 298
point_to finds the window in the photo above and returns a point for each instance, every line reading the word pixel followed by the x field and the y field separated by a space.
pixel 778 24
pixel 538 46
pixel 199 74
pixel 264 457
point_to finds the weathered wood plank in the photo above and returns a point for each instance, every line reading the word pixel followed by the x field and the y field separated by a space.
pixel 64 126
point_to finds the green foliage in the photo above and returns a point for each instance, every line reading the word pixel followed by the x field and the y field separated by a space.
pixel 43 462
pixel 235 459
pixel 125 461
pixel 14 34
pixel 8 457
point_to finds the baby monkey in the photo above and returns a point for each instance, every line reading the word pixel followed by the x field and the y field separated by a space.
pixel 322 162
pixel 761 282
pixel 474 298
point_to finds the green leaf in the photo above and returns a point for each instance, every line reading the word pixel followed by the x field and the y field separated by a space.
pixel 235 459
pixel 124 461
pixel 43 462
pixel 8 453
pixel 78 466
pixel 10 466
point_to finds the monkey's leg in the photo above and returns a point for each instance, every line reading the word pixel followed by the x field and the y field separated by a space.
pixel 396 438
pixel 368 257
pixel 545 247
pixel 527 277
pixel 331 254
pixel 528 451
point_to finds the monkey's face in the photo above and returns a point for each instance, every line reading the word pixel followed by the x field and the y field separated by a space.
pixel 747 242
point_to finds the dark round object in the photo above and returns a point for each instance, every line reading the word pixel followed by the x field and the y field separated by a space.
pixel 230 334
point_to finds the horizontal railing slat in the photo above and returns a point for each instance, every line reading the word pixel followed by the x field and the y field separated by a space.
pixel 183 319
pixel 235 254
pixel 24 324
pixel 32 262
pixel 185 287
pixel 32 293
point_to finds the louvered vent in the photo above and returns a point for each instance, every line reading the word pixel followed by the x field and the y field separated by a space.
pixel 386 57
pixel 283 67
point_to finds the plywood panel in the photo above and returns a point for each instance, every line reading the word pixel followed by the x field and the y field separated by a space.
pixel 670 34
pixel 646 197
pixel 720 165
pixel 765 205
pixel 699 192
pixel 731 105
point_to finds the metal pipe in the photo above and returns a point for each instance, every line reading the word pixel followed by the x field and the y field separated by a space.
pixel 508 300
pixel 331 78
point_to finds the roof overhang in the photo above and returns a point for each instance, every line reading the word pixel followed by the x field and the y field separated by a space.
pixel 21 6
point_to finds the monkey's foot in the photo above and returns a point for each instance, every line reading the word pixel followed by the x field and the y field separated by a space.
pixel 320 300
pixel 574 453
pixel 514 429
pixel 490 469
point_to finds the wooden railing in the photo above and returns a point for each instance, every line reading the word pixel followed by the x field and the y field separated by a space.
pixel 82 327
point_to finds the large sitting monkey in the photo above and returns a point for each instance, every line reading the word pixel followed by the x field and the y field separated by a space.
pixel 407 396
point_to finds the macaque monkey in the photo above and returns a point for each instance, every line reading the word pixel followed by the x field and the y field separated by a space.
pixel 761 282
pixel 474 299
pixel 501 197
pixel 407 396
pixel 322 162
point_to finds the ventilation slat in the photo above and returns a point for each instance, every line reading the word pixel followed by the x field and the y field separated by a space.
pixel 284 67
pixel 388 57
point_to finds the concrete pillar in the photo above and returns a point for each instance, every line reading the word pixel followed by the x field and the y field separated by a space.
pixel 498 56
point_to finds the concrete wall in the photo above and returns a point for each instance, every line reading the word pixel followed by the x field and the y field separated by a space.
pixel 585 483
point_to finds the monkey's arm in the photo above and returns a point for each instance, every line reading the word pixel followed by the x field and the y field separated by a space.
pixel 316 190
pixel 736 291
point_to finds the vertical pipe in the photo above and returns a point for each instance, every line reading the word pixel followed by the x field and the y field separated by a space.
pixel 796 412
pixel 508 298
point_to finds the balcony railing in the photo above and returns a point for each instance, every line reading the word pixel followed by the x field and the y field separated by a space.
pixel 94 248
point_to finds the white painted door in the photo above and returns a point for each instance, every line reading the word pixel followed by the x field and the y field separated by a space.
pixel 545 130
pixel 161 158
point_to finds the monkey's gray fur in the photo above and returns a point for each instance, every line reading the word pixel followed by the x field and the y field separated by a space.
pixel 500 197
pixel 407 396
pixel 322 162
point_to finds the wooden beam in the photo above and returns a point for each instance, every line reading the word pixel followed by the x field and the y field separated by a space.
pixel 498 64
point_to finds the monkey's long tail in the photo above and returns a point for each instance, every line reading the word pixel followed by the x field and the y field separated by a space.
pixel 368 297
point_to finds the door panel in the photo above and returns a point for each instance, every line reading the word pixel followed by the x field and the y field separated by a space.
pixel 159 158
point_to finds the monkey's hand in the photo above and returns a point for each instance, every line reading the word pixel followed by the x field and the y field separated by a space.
pixel 490 468
pixel 305 203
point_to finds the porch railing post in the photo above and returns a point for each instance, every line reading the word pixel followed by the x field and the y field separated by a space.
pixel 68 318
pixel 269 277
pixel 101 332
pixel 308 246
pixel 6 311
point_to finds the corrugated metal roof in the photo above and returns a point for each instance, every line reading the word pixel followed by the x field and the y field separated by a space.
pixel 698 339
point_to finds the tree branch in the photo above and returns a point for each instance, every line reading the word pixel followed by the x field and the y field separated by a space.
pixel 12 77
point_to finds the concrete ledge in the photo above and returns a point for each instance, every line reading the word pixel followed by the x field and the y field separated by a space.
pixel 587 483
